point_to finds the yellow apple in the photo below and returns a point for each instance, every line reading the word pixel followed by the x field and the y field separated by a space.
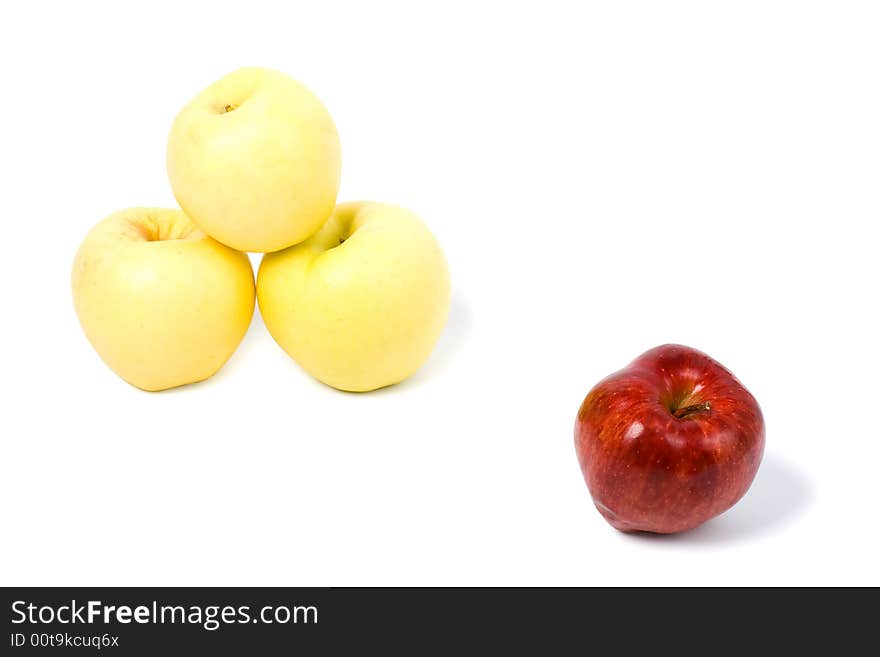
pixel 161 302
pixel 360 304
pixel 254 160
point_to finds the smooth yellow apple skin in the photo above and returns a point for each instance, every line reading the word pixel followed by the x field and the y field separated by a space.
pixel 361 304
pixel 161 302
pixel 255 160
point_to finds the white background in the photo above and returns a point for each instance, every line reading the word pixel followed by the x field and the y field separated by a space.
pixel 604 177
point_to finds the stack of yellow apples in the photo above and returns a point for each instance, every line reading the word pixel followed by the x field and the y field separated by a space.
pixel 356 293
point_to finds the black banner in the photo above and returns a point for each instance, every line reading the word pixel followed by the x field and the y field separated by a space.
pixel 150 621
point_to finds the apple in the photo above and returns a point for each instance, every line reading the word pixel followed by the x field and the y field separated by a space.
pixel 360 304
pixel 161 302
pixel 254 160
pixel 668 442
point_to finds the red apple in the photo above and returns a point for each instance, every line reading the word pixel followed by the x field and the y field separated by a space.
pixel 668 442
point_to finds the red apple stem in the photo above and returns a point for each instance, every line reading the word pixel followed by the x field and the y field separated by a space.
pixel 683 412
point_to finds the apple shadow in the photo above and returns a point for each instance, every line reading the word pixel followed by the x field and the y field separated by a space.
pixel 778 495
pixel 458 328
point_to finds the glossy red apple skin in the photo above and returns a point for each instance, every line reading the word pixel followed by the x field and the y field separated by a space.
pixel 648 469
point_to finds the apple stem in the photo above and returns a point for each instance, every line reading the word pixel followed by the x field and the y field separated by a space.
pixel 681 413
